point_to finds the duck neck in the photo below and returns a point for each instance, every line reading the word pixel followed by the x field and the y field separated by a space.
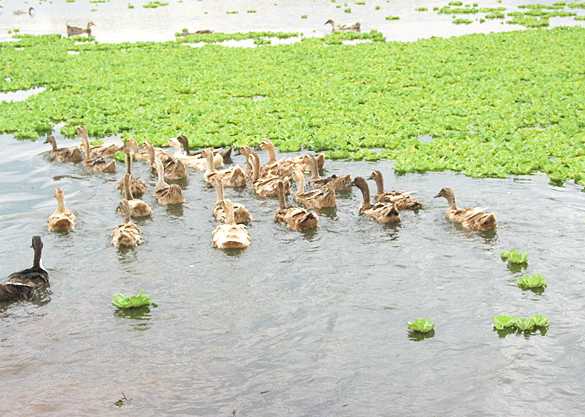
pixel 210 164
pixel 60 202
pixel 127 191
pixel 229 214
pixel 366 204
pixel 219 191
pixel 86 151
pixel 314 168
pixel 255 167
pixel 53 143
pixel 150 150
pixel 300 180
pixel 379 183
pixel 185 146
pixel 37 257
pixel 281 199
pixel 451 200
pixel 128 163
pixel 271 154
pixel 160 171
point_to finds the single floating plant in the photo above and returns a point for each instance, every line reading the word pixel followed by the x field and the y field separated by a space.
pixel 423 326
pixel 532 282
pixel 125 302
pixel 515 257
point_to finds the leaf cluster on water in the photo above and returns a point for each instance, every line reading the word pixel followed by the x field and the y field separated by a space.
pixel 505 323
pixel 532 282
pixel 123 301
pixel 496 105
pixel 421 325
pixel 515 257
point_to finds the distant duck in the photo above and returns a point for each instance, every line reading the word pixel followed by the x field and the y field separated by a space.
pixel 196 160
pixel 72 155
pixel 62 220
pixel 94 164
pixel 166 193
pixel 266 186
pixel 234 177
pixel 241 213
pixel 402 200
pixel 318 198
pixel 356 27
pixel 470 218
pixel 137 208
pixel 295 218
pixel 36 276
pixel 137 186
pixel 174 169
pixel 337 183
pixel 230 235
pixel 75 30
pixel 127 235
pixel 385 213
pixel 20 12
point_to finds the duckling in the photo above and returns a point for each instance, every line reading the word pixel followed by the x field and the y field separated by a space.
pixel 234 177
pixel 63 154
pixel 266 186
pixel 75 30
pixel 127 235
pixel 62 219
pixel 339 184
pixel 381 212
pixel 174 170
pixel 138 208
pixel 98 164
pixel 470 218
pixel 230 235
pixel 137 186
pixel 166 194
pixel 319 198
pixel 402 200
pixel 356 27
pixel 103 151
pixel 241 213
pixel 295 218
pixel 194 161
pixel 36 276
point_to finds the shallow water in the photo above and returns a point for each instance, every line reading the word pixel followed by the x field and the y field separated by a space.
pixel 115 22
pixel 296 325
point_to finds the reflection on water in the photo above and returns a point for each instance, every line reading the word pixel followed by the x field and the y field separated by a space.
pixel 319 319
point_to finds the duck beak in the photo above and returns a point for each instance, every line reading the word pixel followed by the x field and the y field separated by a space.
pixel 371 177
pixel 437 196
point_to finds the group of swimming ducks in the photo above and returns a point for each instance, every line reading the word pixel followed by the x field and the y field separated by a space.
pixel 273 179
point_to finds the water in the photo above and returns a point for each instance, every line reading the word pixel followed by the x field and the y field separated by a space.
pixel 296 325
pixel 115 22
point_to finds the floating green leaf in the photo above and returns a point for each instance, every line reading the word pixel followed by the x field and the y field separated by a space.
pixel 532 282
pixel 123 301
pixel 421 325
pixel 515 257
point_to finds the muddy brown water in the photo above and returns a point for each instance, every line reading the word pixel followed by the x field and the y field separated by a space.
pixel 298 325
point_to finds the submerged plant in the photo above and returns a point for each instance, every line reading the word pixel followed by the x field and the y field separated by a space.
pixel 124 302
pixel 421 325
pixel 532 282
pixel 515 257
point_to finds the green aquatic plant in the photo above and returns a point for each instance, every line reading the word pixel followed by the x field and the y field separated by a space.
pixel 532 282
pixel 421 325
pixel 238 36
pixel 460 21
pixel 392 17
pixel 251 11
pixel 231 12
pixel 515 257
pixel 422 9
pixel 123 301
pixel 260 42
pixel 507 324
pixel 347 10
pixel 120 156
pixel 304 16
pixel 154 4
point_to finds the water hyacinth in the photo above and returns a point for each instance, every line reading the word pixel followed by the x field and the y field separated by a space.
pixel 515 257
pixel 421 325
pixel 505 323
pixel 124 302
pixel 532 282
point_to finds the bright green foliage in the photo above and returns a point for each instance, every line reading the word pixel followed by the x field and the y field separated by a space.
pixel 262 41
pixel 505 323
pixel 422 9
pixel 123 301
pixel 251 11
pixel 238 36
pixel 304 16
pixel 515 257
pixel 458 10
pixel 348 10
pixel 392 17
pixel 232 12
pixel 120 156
pixel 496 105
pixel 532 282
pixel 455 3
pixel 579 17
pixel 421 325
pixel 460 21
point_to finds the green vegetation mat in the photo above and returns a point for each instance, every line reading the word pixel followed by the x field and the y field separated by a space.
pixel 494 105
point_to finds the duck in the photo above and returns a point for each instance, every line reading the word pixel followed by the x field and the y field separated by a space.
pixel 13 291
pixel 385 213
pixel 241 213
pixel 475 219
pixel 356 27
pixel 103 151
pixel 20 12
pixel 234 177
pixel 165 193
pixel 318 198
pixel 72 155
pixel 127 235
pixel 266 186
pixel 174 170
pixel 274 166
pixel 337 183
pixel 402 200
pixel 195 161
pixel 137 186
pixel 97 164
pixel 230 235
pixel 76 30
pixel 62 220
pixel 138 209
pixel 295 218
pixel 36 276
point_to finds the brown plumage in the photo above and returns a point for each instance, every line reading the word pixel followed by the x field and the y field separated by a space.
pixel 127 235
pixel 234 177
pixel 295 218
pixel 98 164
pixel 384 213
pixel 356 27
pixel 76 30
pixel 174 170
pixel 36 276
pixel 72 155
pixel 319 198
pixel 402 200
pixel 230 235
pixel 266 186
pixel 470 218
pixel 241 213
pixel 137 208
pixel 62 219
pixel 338 184
pixel 165 193
pixel 137 186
